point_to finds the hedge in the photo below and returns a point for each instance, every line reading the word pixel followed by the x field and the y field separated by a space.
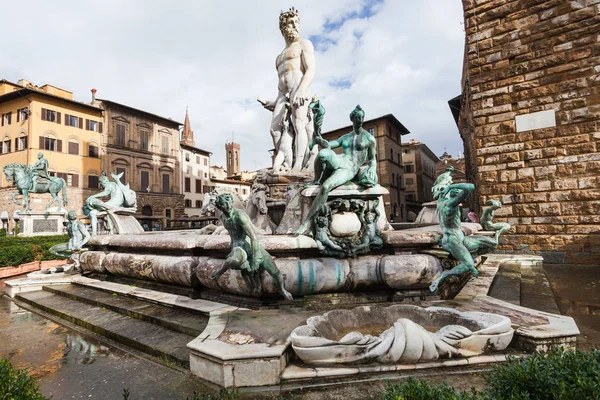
pixel 555 375
pixel 20 250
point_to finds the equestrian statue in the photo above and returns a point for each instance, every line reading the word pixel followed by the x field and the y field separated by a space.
pixel 35 179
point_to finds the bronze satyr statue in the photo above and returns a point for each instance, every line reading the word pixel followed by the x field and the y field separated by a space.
pixel 247 255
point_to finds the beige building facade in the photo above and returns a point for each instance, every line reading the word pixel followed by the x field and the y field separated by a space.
pixel 145 148
pixel 419 174
pixel 68 133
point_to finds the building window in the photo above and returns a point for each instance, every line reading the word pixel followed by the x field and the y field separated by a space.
pixel 93 151
pixel 165 145
pixel 372 131
pixel 72 120
pixel 188 202
pixel 206 161
pixel 92 126
pixel 50 144
pixel 205 175
pixel 187 156
pixel 393 182
pixel 405 151
pixel 166 178
pixel 410 197
pixel 198 186
pixel 92 182
pixel 188 184
pixel 144 138
pixel 392 154
pixel 50 116
pixel 409 168
pixel 198 204
pixel 399 162
pixel 230 158
pixel 74 148
pixel 145 181
pixel 22 114
pixel 409 181
pixel 120 135
pixel 6 118
pixel 123 177
pixel 69 179
pixel 5 146
pixel 22 143
pixel 244 191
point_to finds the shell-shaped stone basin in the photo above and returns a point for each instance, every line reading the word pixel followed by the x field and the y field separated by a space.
pixel 399 334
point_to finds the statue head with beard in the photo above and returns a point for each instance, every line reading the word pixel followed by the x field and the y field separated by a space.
pixel 289 25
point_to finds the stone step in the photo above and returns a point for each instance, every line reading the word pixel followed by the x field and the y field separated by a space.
pixel 506 285
pixel 146 337
pixel 179 320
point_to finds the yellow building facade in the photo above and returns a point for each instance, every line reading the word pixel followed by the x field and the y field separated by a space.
pixel 69 133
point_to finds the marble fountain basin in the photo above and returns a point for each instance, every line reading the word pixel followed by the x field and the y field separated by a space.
pixel 399 334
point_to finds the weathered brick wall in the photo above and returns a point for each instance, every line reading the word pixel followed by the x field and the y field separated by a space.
pixel 522 57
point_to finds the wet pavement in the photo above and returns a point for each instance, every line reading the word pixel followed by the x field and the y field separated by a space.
pixel 71 365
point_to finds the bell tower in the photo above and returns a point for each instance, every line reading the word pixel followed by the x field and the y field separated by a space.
pixel 232 154
pixel 187 136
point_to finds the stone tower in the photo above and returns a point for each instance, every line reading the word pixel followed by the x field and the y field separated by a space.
pixel 530 121
pixel 187 136
pixel 232 153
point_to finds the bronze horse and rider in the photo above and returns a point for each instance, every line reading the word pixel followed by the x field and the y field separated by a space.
pixel 35 179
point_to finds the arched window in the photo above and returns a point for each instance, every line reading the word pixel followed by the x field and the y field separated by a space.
pixel 230 158
pixel 392 154
pixel 147 211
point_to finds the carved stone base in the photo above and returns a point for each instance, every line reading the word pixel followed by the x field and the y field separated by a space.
pixel 39 223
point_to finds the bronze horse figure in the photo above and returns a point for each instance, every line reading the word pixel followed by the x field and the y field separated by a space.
pixel 20 175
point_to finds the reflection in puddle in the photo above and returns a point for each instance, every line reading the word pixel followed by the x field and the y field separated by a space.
pixel 82 350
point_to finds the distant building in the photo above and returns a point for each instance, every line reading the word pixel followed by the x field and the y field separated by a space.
pixel 220 180
pixel 458 176
pixel 145 147
pixel 388 132
pixel 69 133
pixel 419 174
pixel 195 170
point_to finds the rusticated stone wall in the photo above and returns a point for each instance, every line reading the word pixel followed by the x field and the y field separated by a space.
pixel 525 57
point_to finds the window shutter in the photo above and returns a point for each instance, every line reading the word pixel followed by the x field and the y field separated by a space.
pixel 25 143
pixel 87 124
pixel 2 120
pixel 42 143
pixel 19 115
pixel 75 180
pixel 80 123
pixel 67 119
pixel 17 143
pixel 44 114
pixel 99 127
pixel 58 118
pixel 59 146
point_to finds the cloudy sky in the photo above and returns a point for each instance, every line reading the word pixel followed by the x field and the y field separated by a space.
pixel 402 57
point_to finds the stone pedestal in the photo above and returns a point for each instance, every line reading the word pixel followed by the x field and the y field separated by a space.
pixel 299 204
pixel 38 223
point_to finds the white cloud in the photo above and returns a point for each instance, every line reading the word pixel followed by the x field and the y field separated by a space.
pixel 217 57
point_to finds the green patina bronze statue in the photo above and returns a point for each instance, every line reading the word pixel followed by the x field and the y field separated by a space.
pixel 357 161
pixel 35 179
pixel 78 237
pixel 463 248
pixel 487 217
pixel 247 255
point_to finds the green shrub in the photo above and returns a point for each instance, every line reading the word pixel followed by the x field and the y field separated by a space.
pixel 2 232
pixel 413 389
pixel 557 374
pixel 19 250
pixel 17 384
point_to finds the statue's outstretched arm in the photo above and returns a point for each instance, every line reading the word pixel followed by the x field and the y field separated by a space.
pixel 465 191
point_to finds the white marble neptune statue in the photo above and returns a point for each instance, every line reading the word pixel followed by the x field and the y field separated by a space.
pixel 290 126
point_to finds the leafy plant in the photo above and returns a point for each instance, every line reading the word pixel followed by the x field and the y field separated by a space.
pixel 2 232
pixel 17 384
pixel 557 374
pixel 413 389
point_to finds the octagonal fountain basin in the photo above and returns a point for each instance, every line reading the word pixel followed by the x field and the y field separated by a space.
pixel 399 334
